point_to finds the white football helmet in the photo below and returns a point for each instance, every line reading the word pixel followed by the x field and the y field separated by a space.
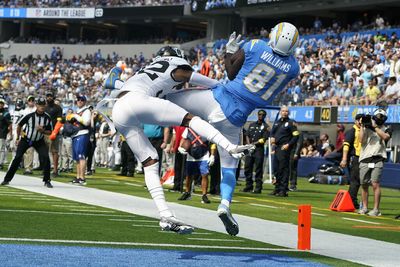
pixel 284 38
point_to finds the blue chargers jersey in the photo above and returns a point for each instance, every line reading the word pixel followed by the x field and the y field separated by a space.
pixel 263 75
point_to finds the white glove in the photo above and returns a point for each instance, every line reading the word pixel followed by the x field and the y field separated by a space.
pixel 234 43
pixel 211 160
pixel 182 150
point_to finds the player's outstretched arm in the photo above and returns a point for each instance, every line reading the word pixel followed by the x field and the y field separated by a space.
pixel 183 75
pixel 233 63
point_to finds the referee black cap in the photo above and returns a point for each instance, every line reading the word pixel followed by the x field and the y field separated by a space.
pixel 41 101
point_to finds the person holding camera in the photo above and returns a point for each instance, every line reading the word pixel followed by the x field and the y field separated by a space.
pixel 373 136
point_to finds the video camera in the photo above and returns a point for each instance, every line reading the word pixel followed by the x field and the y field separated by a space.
pixel 366 120
pixel 379 117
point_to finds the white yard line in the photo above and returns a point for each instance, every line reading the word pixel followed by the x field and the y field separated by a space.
pixel 146 225
pixel 215 239
pixel 112 181
pixel 264 206
pixel 132 184
pixel 356 220
pixel 72 206
pixel 66 213
pixel 319 214
pixel 121 220
pixel 142 244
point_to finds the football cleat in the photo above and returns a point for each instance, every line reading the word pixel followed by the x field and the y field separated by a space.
pixel 224 213
pixel 113 77
pixel 173 224
pixel 241 150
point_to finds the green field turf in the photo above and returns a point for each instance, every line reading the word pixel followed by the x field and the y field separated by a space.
pixel 384 228
pixel 30 215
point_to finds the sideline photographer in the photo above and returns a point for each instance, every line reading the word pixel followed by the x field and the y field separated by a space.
pixel 374 136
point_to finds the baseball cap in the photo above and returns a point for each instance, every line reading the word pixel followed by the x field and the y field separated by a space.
pixel 81 97
pixel 41 101
pixel 2 101
pixel 30 97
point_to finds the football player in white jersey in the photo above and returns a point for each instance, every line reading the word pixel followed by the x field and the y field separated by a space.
pixel 17 114
pixel 140 101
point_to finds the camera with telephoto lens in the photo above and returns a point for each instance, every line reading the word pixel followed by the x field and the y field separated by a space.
pixel 366 120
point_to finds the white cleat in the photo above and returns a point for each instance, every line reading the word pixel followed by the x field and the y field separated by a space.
pixel 231 226
pixel 175 225
pixel 241 150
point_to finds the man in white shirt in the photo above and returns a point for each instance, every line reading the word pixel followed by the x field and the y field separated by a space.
pixel 392 92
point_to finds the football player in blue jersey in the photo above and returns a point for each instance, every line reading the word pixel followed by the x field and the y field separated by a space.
pixel 257 72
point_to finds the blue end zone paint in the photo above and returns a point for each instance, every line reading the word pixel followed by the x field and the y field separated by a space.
pixel 39 255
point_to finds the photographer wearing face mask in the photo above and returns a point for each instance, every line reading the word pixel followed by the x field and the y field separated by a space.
pixel 374 136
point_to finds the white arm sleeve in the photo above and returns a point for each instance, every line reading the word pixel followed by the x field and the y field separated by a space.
pixel 201 80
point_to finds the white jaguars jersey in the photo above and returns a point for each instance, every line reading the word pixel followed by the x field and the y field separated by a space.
pixel 156 78
pixel 16 116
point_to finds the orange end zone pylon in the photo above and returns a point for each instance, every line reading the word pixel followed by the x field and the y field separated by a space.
pixel 342 202
pixel 304 228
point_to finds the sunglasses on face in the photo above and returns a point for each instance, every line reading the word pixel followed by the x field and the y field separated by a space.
pixel 81 99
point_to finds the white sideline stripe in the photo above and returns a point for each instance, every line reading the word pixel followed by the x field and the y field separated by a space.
pixel 146 225
pixel 112 181
pixel 143 244
pixel 215 239
pixel 264 206
pixel 105 211
pixel 67 213
pixel 356 220
pixel 137 185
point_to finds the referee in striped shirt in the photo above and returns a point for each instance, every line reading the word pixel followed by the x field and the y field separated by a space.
pixel 35 125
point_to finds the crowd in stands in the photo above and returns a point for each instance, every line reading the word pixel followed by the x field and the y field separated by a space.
pixel 87 3
pixel 355 73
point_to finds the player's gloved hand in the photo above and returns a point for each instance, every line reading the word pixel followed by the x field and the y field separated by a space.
pixel 182 150
pixel 234 43
pixel 211 160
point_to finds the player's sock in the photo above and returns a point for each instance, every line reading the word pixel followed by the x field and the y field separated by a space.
pixel 228 183
pixel 206 130
pixel 152 179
